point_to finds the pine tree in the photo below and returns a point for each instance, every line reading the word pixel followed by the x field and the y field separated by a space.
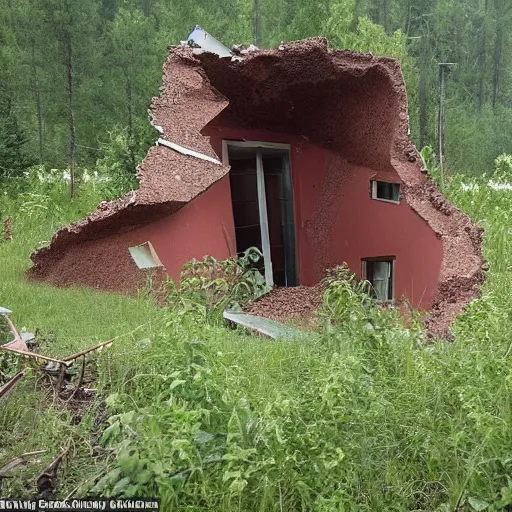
pixel 13 157
pixel 73 25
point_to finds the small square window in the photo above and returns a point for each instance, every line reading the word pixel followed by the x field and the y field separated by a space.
pixel 379 273
pixel 385 191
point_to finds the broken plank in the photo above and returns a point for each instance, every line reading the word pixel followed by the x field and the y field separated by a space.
pixel 270 328
pixel 33 355
pixel 9 385
pixel 18 342
pixel 98 347
pixel 46 481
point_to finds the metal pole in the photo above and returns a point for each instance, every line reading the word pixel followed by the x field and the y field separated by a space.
pixel 443 66
pixel 262 205
pixel 256 36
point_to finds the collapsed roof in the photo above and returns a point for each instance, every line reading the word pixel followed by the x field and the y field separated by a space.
pixel 349 102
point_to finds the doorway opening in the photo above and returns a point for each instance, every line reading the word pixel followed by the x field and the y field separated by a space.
pixel 262 200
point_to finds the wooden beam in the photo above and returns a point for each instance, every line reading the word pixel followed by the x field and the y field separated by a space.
pixel 90 349
pixel 9 385
pixel 33 355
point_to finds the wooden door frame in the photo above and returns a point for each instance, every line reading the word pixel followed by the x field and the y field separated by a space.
pixel 262 204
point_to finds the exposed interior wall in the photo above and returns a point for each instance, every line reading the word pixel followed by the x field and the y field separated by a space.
pixel 351 107
pixel 199 228
pixel 202 227
pixel 336 221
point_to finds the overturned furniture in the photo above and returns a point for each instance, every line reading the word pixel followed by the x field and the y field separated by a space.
pixel 19 346
pixel 302 152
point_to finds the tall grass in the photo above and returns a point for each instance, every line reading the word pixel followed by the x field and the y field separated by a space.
pixel 70 319
pixel 361 416
pixel 77 316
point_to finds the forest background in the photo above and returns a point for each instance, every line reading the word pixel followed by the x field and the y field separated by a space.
pixel 77 77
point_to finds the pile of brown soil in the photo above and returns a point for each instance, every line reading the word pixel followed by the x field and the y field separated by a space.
pixel 297 305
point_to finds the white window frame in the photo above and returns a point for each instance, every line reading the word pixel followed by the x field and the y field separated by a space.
pixel 373 191
pixel 262 200
pixel 364 274
pixel 249 144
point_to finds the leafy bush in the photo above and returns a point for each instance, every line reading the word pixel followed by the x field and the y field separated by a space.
pixel 13 159
pixel 121 155
pixel 209 439
pixel 348 303
pixel 503 169
pixel 346 297
pixel 208 287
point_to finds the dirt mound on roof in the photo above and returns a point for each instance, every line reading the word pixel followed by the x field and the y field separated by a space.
pixel 297 304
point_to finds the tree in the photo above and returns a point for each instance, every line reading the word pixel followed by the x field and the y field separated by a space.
pixel 503 17
pixel 132 55
pixel 482 57
pixel 13 158
pixel 30 51
pixel 73 26
pixel 256 27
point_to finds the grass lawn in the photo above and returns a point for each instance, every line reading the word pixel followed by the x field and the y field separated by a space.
pixel 359 417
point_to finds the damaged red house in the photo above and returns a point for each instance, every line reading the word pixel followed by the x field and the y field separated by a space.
pixel 301 151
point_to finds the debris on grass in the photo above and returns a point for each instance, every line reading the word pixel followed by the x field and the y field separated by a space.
pixel 62 368
pixel 297 304
pixel 265 326
pixel 21 460
pixel 47 481
pixel 9 385
pixel 18 461
pixel 17 343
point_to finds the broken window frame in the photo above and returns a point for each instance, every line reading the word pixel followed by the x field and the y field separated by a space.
pixel 145 256
pixel 374 189
pixel 391 277
pixel 289 217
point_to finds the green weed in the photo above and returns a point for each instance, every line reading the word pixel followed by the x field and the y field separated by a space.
pixel 361 416
pixel 210 286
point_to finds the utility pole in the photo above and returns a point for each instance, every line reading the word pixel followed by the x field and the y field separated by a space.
pixel 443 73
pixel 256 24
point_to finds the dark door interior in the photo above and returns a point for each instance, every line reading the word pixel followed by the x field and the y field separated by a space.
pixel 279 201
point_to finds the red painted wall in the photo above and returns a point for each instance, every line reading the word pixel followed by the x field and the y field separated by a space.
pixel 336 221
pixel 192 232
pixel 202 227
